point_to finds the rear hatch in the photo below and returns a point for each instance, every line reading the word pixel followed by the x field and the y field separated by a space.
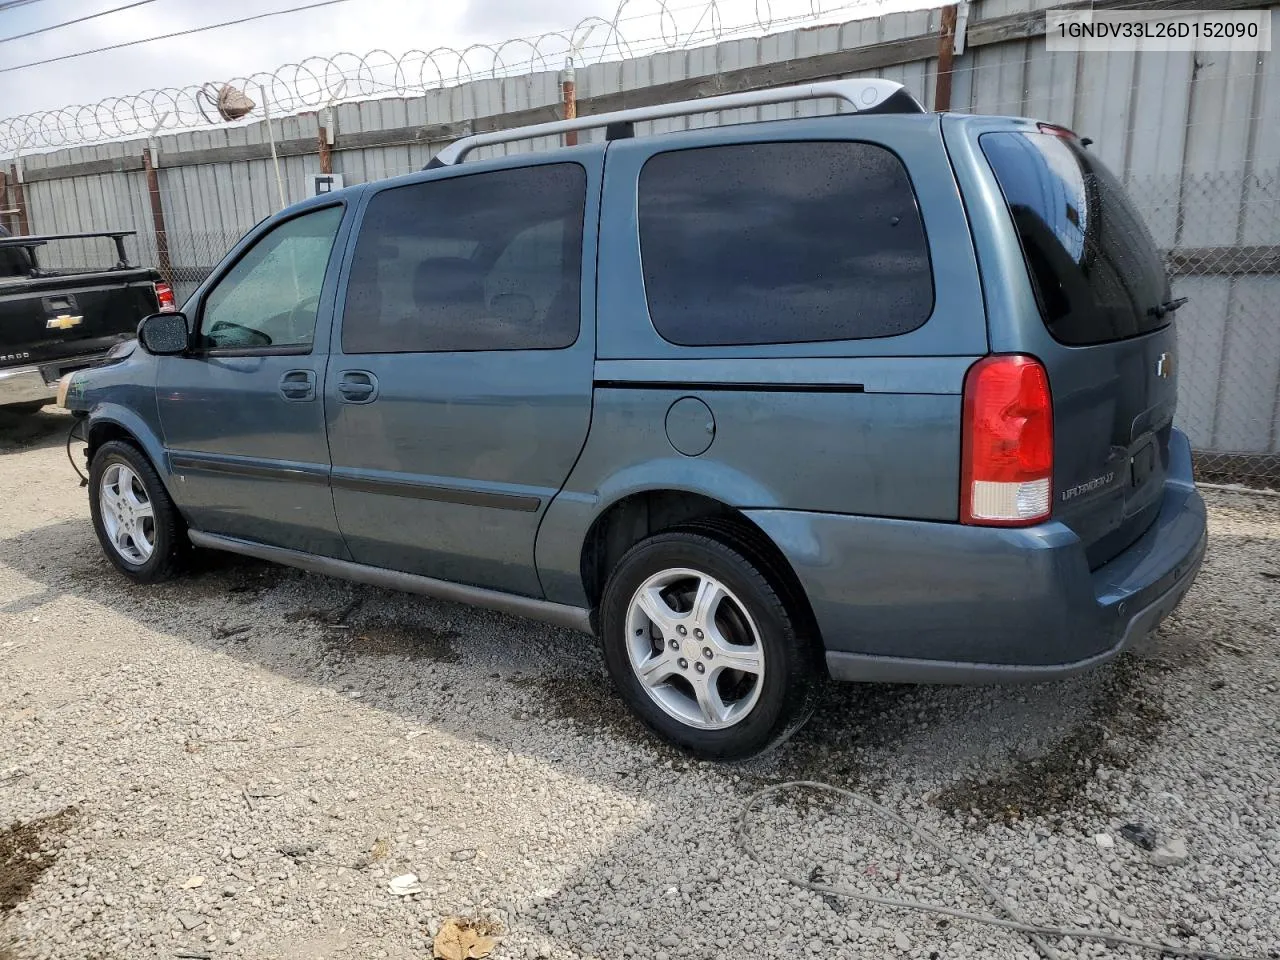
pixel 1104 296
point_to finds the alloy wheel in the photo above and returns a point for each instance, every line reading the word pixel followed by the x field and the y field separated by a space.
pixel 695 649
pixel 127 514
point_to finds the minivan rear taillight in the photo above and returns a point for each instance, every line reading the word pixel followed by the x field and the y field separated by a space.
pixel 1006 471
pixel 165 298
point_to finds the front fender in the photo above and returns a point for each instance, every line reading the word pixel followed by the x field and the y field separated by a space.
pixel 144 434
pixel 122 396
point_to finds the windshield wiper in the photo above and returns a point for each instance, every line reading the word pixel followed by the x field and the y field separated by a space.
pixel 1167 307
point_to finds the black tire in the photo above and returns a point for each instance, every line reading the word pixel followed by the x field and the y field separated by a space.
pixel 788 690
pixel 168 531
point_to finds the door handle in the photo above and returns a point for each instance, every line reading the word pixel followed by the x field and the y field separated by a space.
pixel 358 386
pixel 298 385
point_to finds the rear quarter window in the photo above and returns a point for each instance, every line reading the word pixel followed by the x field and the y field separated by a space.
pixel 769 243
pixel 1095 270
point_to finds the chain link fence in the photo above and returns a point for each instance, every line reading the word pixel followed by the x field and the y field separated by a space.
pixel 1221 234
pixel 192 256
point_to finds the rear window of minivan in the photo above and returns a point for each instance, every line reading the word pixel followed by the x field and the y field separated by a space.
pixel 1096 272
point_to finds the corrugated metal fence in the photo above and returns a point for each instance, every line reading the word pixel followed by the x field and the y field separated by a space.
pixel 1195 137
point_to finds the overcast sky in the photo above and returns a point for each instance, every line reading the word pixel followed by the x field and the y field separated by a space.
pixel 353 25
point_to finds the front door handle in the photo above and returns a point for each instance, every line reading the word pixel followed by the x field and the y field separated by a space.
pixel 298 385
pixel 357 386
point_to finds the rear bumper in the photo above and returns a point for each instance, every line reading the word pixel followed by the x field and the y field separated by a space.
pixel 39 381
pixel 25 385
pixel 919 602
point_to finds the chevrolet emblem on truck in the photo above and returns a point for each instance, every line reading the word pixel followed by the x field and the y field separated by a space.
pixel 64 321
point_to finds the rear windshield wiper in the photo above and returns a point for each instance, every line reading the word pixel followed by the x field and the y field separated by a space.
pixel 1167 307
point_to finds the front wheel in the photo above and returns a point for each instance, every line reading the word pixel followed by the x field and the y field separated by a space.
pixel 137 524
pixel 703 649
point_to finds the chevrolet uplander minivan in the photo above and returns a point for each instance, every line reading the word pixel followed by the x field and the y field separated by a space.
pixel 879 396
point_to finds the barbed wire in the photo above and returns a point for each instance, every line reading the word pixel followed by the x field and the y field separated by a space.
pixel 637 26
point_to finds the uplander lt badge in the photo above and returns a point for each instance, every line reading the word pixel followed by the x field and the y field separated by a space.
pixel 1088 486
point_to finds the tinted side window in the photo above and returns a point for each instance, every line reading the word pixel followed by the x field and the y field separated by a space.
pixel 488 261
pixel 1095 270
pixel 782 243
pixel 269 298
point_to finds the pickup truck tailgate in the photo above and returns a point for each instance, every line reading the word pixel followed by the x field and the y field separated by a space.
pixel 51 318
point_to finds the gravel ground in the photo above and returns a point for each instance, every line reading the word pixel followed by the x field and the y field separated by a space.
pixel 297 742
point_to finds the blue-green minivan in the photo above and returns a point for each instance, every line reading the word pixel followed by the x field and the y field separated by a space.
pixel 880 396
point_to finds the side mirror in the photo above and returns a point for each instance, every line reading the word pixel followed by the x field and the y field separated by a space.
pixel 164 334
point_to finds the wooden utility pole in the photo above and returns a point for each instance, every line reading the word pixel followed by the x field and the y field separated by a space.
pixel 569 100
pixel 5 210
pixel 165 266
pixel 946 60
pixel 20 202
pixel 326 152
pixel 325 139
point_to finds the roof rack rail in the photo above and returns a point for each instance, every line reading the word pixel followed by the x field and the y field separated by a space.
pixel 30 242
pixel 864 96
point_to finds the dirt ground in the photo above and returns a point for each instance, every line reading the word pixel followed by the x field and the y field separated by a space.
pixel 240 762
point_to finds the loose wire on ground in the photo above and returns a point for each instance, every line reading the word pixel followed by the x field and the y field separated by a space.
pixel 1238 488
pixel 1037 933
pixel 73 435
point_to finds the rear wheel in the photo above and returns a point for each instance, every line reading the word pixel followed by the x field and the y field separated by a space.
pixel 137 524
pixel 703 649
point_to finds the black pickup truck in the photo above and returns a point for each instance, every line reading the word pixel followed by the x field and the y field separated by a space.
pixel 55 321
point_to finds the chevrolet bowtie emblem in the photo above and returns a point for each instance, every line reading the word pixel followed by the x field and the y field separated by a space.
pixel 64 321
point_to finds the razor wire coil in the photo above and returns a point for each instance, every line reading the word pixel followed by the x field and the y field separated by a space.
pixel 316 82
